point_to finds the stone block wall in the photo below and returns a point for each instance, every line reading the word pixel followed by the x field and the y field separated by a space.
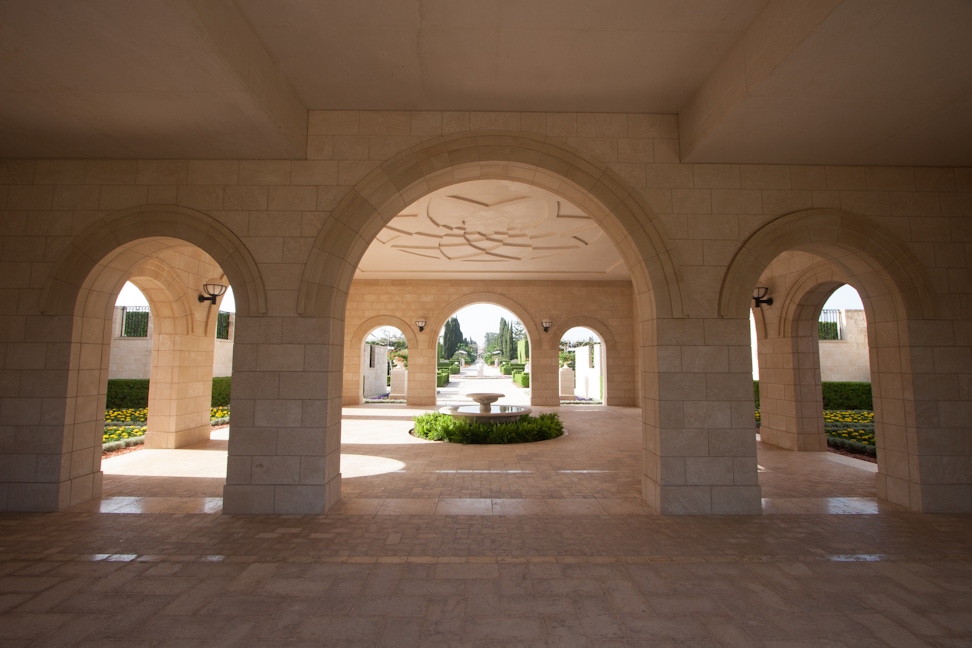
pixel 288 234
pixel 846 359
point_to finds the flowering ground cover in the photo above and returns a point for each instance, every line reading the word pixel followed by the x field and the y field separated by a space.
pixel 852 425
pixel 124 427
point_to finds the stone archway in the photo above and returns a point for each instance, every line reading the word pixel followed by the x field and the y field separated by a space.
pixel 352 356
pixel 629 223
pixel 611 355
pixel 538 382
pixel 900 308
pixel 79 297
pixel 791 408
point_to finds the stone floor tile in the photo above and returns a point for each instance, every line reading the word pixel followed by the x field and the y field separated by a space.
pixel 552 548
pixel 464 506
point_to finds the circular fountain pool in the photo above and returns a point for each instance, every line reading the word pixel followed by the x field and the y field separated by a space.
pixel 495 414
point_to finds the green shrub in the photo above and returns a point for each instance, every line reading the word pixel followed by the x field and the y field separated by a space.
pixel 838 395
pixel 521 379
pixel 125 393
pixel 221 392
pixel 847 396
pixel 442 378
pixel 454 368
pixel 437 426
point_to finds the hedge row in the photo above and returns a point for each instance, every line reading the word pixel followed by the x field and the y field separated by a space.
pixel 847 396
pixel 507 368
pixel 442 378
pixel 437 426
pixel 521 379
pixel 838 395
pixel 125 393
pixel 221 392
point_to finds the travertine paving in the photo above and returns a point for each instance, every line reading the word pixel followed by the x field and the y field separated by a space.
pixel 435 545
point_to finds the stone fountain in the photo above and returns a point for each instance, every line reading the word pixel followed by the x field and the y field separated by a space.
pixel 486 411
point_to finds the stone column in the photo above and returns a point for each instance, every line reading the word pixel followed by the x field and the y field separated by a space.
pixel 285 445
pixel 180 390
pixel 790 399
pixel 544 376
pixel 700 438
pixel 421 367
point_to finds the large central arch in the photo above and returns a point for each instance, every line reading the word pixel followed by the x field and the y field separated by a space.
pixel 533 160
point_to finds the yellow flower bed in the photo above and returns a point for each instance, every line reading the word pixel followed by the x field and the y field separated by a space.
pixel 124 432
pixel 129 416
pixel 139 415
pixel 848 416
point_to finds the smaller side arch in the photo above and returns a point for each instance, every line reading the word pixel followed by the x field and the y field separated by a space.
pixel 560 329
pixel 104 238
pixel 153 277
pixel 853 243
pixel 384 320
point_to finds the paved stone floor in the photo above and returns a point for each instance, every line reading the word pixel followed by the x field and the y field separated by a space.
pixel 438 545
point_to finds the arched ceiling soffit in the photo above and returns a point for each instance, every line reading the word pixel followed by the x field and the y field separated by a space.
pixel 169 301
pixel 379 321
pixel 806 294
pixel 127 237
pixel 532 171
pixel 853 243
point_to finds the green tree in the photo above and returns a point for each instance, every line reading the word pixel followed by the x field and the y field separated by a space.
pixel 451 338
pixel 492 344
pixel 505 339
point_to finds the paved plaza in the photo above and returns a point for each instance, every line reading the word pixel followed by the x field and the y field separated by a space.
pixel 543 544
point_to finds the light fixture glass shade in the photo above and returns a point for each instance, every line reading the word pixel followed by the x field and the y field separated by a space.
pixel 214 289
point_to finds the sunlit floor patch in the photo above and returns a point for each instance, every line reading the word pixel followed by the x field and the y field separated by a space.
pixel 821 505
pixel 484 472
pixel 858 558
pixel 160 505
pixel 354 465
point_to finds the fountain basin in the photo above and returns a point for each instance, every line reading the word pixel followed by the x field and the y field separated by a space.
pixel 493 413
pixel 485 399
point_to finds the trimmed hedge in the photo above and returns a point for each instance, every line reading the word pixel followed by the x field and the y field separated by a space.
pixel 838 395
pixel 437 426
pixel 221 392
pixel 521 379
pixel 847 396
pixel 508 368
pixel 442 378
pixel 126 393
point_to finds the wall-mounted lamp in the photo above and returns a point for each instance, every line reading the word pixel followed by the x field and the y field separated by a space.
pixel 420 324
pixel 546 324
pixel 212 290
pixel 759 296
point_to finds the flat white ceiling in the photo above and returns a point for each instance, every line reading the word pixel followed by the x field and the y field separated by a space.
pixel 753 81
